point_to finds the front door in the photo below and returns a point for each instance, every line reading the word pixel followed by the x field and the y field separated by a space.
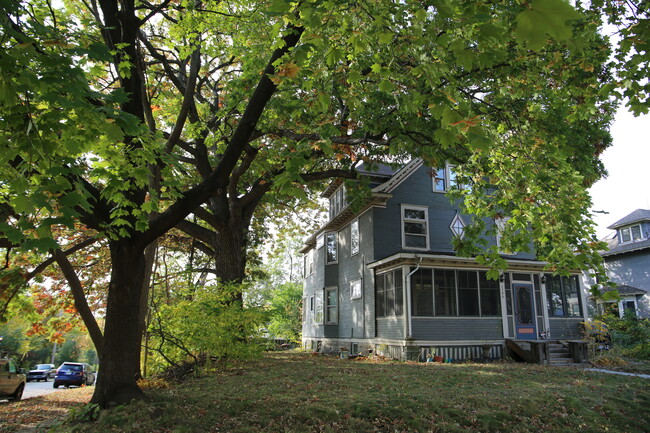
pixel 525 328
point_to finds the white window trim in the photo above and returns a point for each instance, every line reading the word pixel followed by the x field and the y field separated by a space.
pixel 426 225
pixel 325 306
pixel 352 224
pixel 353 282
pixel 447 184
pixel 319 307
pixel 501 224
pixel 629 230
pixel 336 237
pixel 338 201
pixel 458 218
pixel 620 303
pixel 309 263
pixel 320 241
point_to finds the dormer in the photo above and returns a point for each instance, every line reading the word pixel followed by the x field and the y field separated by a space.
pixel 635 227
pixel 630 234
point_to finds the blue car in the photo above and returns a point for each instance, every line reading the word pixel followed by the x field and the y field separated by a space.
pixel 74 373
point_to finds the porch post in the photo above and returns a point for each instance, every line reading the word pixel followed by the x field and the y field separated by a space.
pixel 406 286
pixel 544 304
pixel 504 308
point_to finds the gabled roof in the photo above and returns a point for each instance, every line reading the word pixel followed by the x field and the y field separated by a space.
pixel 380 194
pixel 399 177
pixel 637 216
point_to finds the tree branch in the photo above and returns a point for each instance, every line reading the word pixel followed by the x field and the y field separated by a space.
pixel 80 302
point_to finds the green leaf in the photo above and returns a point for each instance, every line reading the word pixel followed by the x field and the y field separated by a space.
pixel 542 18
pixel 386 86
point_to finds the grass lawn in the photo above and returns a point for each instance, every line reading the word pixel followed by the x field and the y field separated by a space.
pixel 294 392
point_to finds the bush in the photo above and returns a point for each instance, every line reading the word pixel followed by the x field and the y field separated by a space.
pixel 209 324
pixel 609 359
pixel 630 334
pixel 640 351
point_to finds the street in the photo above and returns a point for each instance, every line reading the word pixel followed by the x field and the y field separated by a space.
pixel 34 389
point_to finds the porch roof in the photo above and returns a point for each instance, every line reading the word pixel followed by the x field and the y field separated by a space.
pixel 451 260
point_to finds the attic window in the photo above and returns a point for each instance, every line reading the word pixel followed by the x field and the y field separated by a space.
pixel 444 178
pixel 630 234
pixel 457 226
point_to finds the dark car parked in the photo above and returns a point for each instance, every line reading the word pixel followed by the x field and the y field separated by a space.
pixel 74 373
pixel 41 372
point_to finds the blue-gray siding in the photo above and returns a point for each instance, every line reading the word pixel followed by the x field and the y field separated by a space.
pixel 355 317
pixel 632 269
pixel 447 329
pixel 565 328
pixel 390 327
pixel 417 190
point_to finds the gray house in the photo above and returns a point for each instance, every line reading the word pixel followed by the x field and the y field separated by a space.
pixel 385 278
pixel 628 264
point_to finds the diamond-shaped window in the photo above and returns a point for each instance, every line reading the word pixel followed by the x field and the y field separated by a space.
pixel 457 226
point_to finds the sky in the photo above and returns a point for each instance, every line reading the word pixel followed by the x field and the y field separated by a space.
pixel 627 186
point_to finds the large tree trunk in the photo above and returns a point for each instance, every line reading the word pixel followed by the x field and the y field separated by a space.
pixel 120 359
pixel 230 263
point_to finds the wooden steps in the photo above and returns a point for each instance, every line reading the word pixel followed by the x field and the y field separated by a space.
pixel 558 354
pixel 549 352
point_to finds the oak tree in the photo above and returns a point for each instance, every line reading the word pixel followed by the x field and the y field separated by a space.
pixel 127 117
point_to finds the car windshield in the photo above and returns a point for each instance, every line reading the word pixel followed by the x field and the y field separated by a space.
pixel 71 367
pixel 42 367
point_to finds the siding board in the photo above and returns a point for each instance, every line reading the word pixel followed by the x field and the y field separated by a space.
pixel 565 328
pixel 446 329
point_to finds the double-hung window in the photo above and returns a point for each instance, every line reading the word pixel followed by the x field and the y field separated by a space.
pixel 501 223
pixel 318 307
pixel 415 227
pixel 331 305
pixel 444 178
pixel 354 237
pixel 355 289
pixel 332 248
pixel 309 263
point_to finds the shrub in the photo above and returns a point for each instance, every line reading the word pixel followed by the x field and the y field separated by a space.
pixel 630 334
pixel 640 351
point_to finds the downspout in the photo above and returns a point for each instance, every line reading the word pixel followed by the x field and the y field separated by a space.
pixel 409 325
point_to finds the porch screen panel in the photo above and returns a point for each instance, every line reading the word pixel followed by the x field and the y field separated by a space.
pixel 399 293
pixel 468 293
pixel 490 299
pixel 380 285
pixel 554 294
pixel 508 288
pixel 538 295
pixel 563 296
pixel 390 294
pixel 572 296
pixel 445 292
pixel 422 292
